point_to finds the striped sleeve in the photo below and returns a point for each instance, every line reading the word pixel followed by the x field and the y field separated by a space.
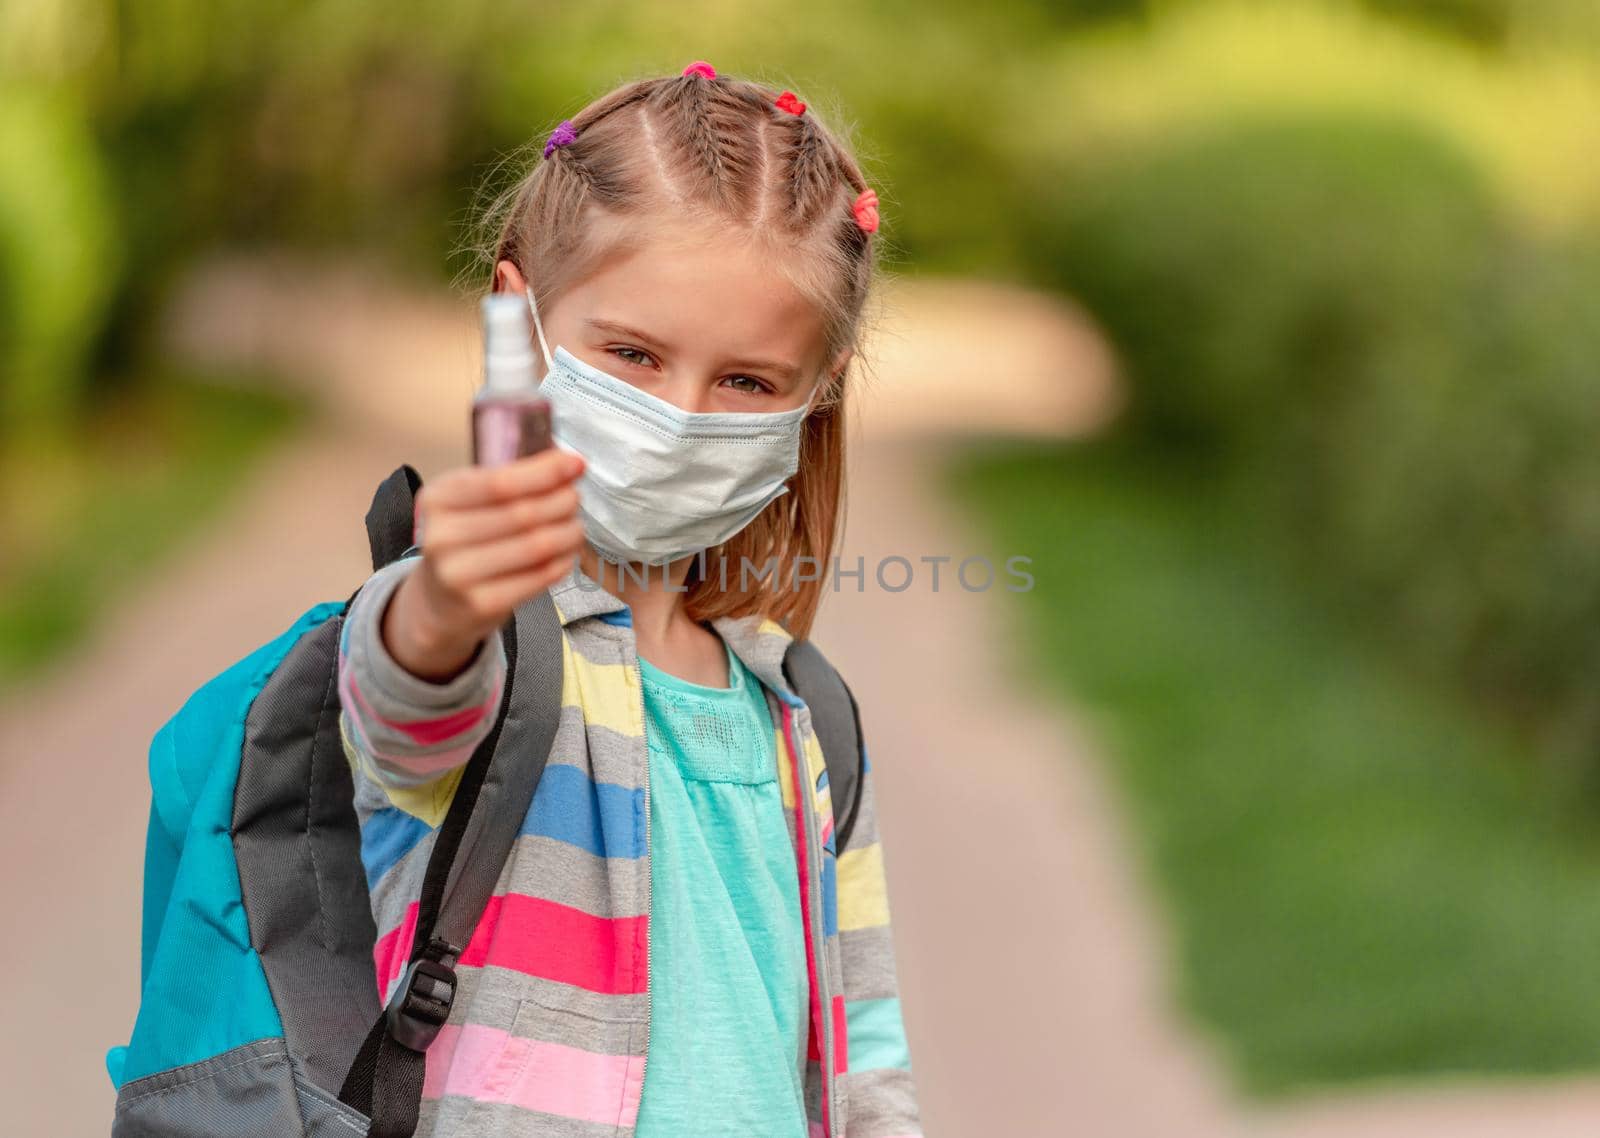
pixel 883 1099
pixel 407 734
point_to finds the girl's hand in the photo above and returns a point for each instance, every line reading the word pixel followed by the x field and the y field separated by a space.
pixel 491 538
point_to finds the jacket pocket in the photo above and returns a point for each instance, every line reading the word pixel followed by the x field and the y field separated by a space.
pixel 569 1000
pixel 569 1054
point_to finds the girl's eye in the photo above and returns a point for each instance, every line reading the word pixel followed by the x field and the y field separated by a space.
pixel 748 384
pixel 633 356
pixel 638 357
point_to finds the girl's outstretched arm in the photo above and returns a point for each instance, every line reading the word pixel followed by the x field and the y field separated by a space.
pixel 401 731
pixel 490 537
pixel 883 1100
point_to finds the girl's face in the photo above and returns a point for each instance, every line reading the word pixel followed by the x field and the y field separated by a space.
pixel 705 322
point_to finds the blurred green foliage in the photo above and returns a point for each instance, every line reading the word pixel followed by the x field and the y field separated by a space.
pixel 1529 117
pixel 1367 880
pixel 1257 274
pixel 61 263
pixel 1483 21
pixel 1498 22
pixel 1396 378
pixel 153 465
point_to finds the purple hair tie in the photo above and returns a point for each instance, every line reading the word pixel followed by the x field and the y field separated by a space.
pixel 563 135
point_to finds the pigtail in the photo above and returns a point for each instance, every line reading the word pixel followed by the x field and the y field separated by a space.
pixel 704 145
pixel 714 136
pixel 812 175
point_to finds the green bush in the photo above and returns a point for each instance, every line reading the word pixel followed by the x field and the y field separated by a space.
pixel 1256 276
pixel 1464 500
pixel 1331 312
pixel 1522 113
pixel 59 259
pixel 1484 21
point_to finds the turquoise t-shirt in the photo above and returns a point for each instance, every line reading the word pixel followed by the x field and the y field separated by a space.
pixel 728 986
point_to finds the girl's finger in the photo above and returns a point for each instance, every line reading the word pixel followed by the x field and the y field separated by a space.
pixel 506 592
pixel 465 569
pixel 476 526
pixel 470 486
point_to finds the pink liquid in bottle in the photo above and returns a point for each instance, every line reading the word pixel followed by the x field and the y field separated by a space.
pixel 510 419
pixel 506 428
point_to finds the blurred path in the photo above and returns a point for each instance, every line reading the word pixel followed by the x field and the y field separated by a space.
pixel 1037 1008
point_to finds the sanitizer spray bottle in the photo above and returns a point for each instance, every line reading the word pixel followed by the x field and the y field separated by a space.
pixel 510 419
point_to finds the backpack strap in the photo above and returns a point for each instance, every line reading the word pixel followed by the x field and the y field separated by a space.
pixel 837 721
pixel 392 516
pixel 470 848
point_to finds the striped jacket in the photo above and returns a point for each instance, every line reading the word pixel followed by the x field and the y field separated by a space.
pixel 549 1031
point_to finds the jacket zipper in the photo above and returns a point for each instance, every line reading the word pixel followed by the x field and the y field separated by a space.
pixel 814 889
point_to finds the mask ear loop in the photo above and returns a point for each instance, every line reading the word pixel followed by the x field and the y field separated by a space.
pixel 818 396
pixel 538 327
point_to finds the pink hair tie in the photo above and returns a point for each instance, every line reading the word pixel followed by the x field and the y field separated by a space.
pixel 564 135
pixel 787 102
pixel 865 210
pixel 702 68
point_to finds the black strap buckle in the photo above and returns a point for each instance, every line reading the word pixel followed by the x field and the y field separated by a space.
pixel 421 1003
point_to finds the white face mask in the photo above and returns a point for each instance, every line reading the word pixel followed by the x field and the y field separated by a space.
pixel 661 483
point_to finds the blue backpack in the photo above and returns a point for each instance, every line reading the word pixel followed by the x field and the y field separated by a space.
pixel 259 1011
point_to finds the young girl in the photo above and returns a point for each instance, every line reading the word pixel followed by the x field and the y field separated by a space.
pixel 675 946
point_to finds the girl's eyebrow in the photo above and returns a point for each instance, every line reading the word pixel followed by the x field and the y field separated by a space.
pixel 623 330
pixel 777 367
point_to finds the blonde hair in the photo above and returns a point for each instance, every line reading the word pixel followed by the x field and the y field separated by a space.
pixel 721 151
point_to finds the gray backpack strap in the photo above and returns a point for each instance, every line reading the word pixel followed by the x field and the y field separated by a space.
pixel 534 665
pixel 837 722
pixel 390 520
pixel 470 848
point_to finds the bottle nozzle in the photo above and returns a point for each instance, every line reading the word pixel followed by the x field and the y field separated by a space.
pixel 507 343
